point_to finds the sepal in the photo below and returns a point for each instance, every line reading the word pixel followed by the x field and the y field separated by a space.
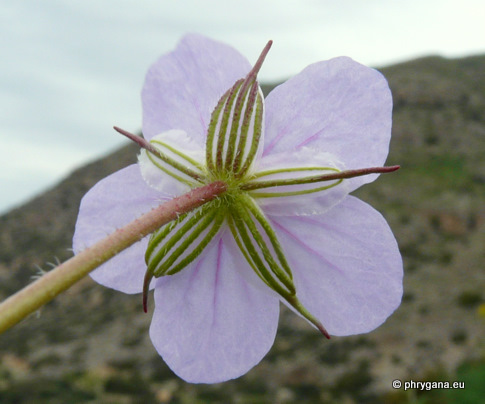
pixel 177 244
pixel 259 245
pixel 236 127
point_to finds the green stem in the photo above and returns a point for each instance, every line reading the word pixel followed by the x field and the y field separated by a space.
pixel 35 295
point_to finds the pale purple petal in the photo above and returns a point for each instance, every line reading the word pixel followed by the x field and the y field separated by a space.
pixel 112 203
pixel 209 325
pixel 182 88
pixel 346 264
pixel 161 180
pixel 306 204
pixel 337 106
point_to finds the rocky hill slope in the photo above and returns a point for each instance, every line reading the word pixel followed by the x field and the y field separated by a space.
pixel 91 344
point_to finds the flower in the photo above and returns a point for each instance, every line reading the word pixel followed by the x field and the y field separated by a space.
pixel 278 234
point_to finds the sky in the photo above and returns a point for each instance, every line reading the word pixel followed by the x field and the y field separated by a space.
pixel 70 70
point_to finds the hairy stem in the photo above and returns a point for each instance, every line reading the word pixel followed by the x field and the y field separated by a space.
pixel 35 295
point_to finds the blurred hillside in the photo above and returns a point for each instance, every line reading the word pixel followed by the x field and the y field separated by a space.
pixel 91 344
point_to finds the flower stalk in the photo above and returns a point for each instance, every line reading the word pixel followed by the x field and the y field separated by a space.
pixel 46 288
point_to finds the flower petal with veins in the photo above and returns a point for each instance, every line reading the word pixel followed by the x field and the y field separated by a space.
pixel 351 277
pixel 338 106
pixel 209 325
